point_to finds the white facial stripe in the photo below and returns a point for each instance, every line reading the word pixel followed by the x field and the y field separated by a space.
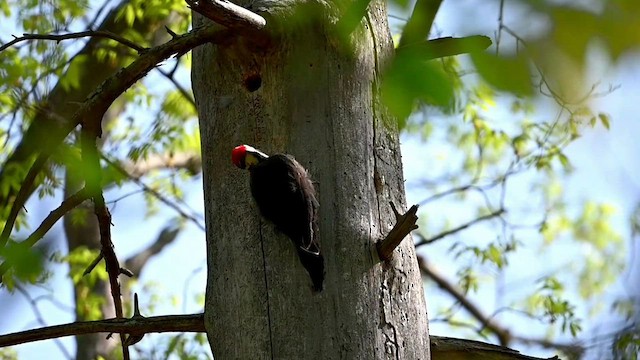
pixel 252 149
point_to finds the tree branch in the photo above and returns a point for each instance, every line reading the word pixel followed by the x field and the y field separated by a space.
pixel 76 35
pixel 446 348
pixel 40 319
pixel 154 193
pixel 136 262
pixel 236 18
pixel 154 324
pixel 503 334
pixel 405 223
pixel 442 347
pixel 444 234
pixel 192 162
pixel 91 131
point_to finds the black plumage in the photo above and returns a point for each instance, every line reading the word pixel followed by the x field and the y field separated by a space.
pixel 285 196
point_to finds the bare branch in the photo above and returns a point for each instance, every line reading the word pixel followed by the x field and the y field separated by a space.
pixel 192 162
pixel 40 319
pixel 236 18
pixel 154 324
pixel 91 131
pixel 169 76
pixel 442 347
pixel 76 35
pixel 444 234
pixel 93 264
pixel 136 262
pixel 154 193
pixel 452 348
pixel 503 334
pixel 405 223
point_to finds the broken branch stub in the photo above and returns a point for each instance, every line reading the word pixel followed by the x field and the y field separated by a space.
pixel 405 223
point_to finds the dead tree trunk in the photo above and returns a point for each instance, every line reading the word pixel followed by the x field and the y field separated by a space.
pixel 314 95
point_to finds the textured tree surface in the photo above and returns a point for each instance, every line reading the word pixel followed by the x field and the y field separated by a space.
pixel 316 99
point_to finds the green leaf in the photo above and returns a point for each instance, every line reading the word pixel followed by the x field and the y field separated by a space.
pixel 506 73
pixel 564 160
pixel 604 119
pixel 128 13
pixel 5 8
pixel 26 264
pixel 411 79
pixel 75 73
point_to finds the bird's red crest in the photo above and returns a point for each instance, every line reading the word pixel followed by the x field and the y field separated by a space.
pixel 238 154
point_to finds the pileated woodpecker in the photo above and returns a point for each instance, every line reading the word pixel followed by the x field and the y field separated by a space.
pixel 285 196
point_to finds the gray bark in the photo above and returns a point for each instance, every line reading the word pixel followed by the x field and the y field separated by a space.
pixel 318 102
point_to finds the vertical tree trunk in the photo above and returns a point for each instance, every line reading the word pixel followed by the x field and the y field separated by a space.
pixel 318 101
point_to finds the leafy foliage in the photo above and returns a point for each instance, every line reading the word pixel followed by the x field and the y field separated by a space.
pixel 25 265
pixel 480 119
pixel 477 151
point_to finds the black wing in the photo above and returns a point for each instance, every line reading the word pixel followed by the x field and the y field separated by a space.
pixel 285 196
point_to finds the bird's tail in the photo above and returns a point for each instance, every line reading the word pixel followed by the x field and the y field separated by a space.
pixel 314 263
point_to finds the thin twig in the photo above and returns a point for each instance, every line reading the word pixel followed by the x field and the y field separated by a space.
pixel 444 234
pixel 67 205
pixel 76 35
pixel 168 234
pixel 40 319
pixel 136 179
pixel 93 264
pixel 91 131
pixel 187 96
